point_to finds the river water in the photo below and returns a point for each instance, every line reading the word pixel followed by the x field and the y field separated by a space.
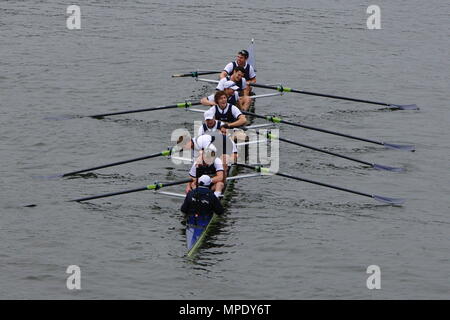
pixel 279 239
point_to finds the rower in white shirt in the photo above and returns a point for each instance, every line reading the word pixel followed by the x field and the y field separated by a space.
pixel 227 113
pixel 230 90
pixel 207 163
pixel 241 61
pixel 238 78
pixel 210 124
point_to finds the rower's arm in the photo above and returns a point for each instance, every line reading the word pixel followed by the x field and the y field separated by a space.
pixel 186 204
pixel 218 177
pixel 187 145
pixel 223 74
pixel 189 185
pixel 205 101
pixel 242 121
pixel 216 205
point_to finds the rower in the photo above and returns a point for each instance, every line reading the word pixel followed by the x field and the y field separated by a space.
pixel 241 61
pixel 238 78
pixel 230 89
pixel 226 148
pixel 210 124
pixel 207 163
pixel 201 200
pixel 226 112
pixel 195 144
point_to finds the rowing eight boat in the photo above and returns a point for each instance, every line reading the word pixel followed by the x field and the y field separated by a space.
pixel 199 226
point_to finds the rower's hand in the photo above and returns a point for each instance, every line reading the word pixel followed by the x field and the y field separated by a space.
pixel 198 161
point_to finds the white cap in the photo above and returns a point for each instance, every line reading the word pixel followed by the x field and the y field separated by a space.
pixel 205 142
pixel 208 115
pixel 204 180
pixel 230 84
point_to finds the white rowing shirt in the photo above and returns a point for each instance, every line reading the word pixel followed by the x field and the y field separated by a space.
pixel 196 148
pixel 216 166
pixel 235 113
pixel 233 99
pixel 204 129
pixel 223 144
pixel 250 71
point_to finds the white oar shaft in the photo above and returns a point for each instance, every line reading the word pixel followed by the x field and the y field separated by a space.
pixel 251 97
pixel 243 176
pixel 207 80
pixel 258 126
pixel 172 194
pixel 266 95
pixel 182 196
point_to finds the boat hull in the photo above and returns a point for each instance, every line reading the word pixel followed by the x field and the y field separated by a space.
pixel 197 227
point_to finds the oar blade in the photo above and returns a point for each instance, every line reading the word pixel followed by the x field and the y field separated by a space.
pixel 403 147
pixel 51 177
pixel 404 106
pixel 61 117
pixel 387 200
pixel 387 168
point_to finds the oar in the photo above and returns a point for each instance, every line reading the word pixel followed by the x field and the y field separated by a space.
pixel 280 88
pixel 165 153
pixel 194 74
pixel 185 105
pixel 392 201
pixel 385 144
pixel 154 186
pixel 373 165
pixel 172 106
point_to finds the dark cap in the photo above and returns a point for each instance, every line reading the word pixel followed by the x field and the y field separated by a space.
pixel 244 53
